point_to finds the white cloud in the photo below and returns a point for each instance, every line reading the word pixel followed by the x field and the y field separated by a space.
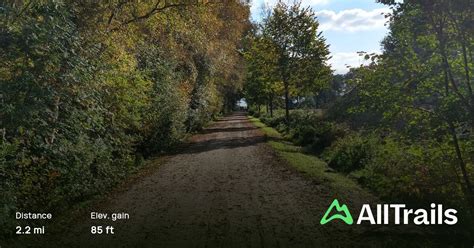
pixel 352 19
pixel 257 4
pixel 340 61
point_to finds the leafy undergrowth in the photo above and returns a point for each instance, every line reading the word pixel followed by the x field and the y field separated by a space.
pixel 311 165
pixel 353 194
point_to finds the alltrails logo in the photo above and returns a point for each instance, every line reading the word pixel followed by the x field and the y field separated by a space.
pixel 401 214
pixel 347 217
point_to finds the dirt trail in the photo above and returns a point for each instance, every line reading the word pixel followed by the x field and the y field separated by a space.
pixel 227 189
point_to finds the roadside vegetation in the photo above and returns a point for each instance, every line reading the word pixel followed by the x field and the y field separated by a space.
pixel 310 164
pixel 401 126
pixel 89 89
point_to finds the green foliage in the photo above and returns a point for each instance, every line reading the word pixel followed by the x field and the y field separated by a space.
pixel 301 49
pixel 263 83
pixel 410 109
pixel 413 173
pixel 309 164
pixel 85 95
pixel 350 153
pixel 307 129
pixel 313 132
pixel 273 121
pixel 420 89
pixel 287 57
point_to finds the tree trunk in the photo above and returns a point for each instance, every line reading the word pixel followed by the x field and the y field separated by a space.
pixel 448 72
pixel 271 106
pixel 466 72
pixel 55 119
pixel 287 103
pixel 468 81
pixel 461 162
pixel 448 77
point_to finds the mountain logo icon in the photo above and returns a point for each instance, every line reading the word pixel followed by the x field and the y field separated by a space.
pixel 345 216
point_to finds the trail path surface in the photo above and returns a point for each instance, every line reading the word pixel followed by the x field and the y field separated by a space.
pixel 227 189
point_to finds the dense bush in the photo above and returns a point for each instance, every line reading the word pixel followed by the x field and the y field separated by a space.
pixel 350 153
pixel 318 136
pixel 273 121
pixel 307 128
pixel 414 172
pixel 389 167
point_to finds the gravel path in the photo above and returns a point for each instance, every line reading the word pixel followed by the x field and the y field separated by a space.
pixel 227 189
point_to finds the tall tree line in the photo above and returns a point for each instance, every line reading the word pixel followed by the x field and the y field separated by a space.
pixel 88 88
pixel 287 57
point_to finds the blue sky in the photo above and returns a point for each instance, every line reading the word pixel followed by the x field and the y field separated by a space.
pixel 349 26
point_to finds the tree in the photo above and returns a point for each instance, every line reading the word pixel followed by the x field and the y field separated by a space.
pixel 421 83
pixel 263 83
pixel 89 88
pixel 301 50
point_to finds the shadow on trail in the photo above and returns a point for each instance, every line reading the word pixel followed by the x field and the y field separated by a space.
pixel 230 129
pixel 230 132
pixel 214 144
pixel 236 116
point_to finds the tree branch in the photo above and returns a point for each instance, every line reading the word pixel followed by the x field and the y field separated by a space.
pixel 158 8
pixel 114 11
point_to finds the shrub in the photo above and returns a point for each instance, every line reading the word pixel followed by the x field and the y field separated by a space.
pixel 351 152
pixel 273 121
pixel 254 113
pixel 304 117
pixel 416 172
pixel 307 128
pixel 327 134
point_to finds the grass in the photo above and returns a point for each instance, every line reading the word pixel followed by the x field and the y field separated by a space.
pixel 269 132
pixel 309 164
